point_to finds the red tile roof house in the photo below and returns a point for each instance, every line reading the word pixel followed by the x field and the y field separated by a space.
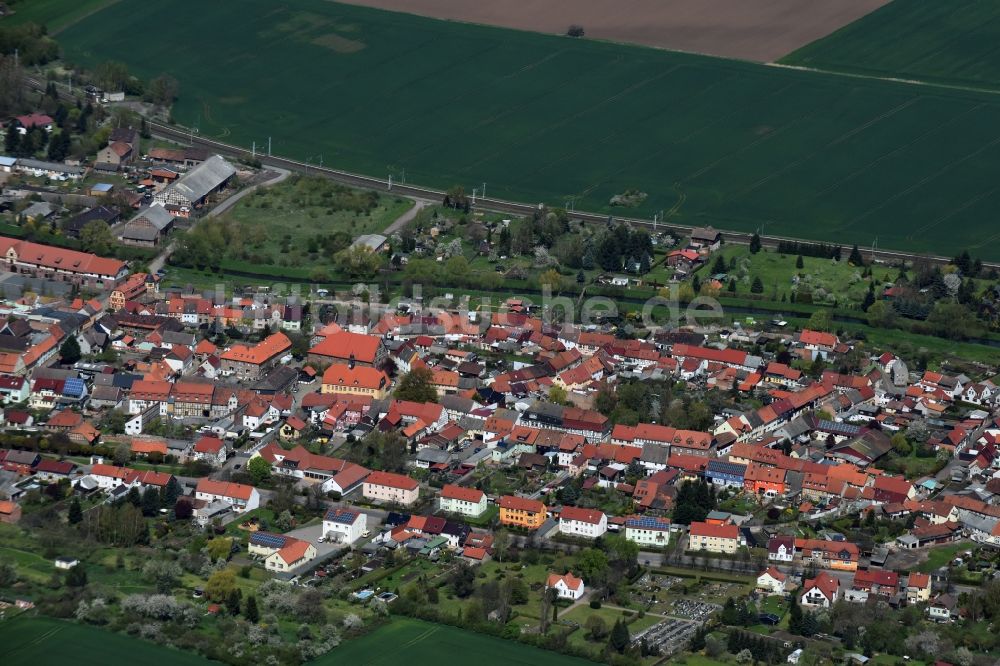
pixel 295 553
pixel 345 347
pixel 567 586
pixel 772 582
pixel 10 512
pixel 54 470
pixel 391 488
pixel 209 449
pixel 242 497
pixel 587 523
pixel 885 583
pixel 820 592
pixel 713 538
pixel 109 477
pixel 252 363
pixel 69 265
pixel 464 501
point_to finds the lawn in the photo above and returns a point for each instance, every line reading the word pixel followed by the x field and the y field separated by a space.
pixel 939 556
pixel 29 565
pixel 35 641
pixel 420 643
pixel 778 272
pixel 282 220
pixel 542 118
pixel 949 41
pixel 581 614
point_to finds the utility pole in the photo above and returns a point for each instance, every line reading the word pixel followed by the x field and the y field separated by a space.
pixel 484 190
pixel 390 181
pixel 474 190
pixel 403 180
pixel 268 146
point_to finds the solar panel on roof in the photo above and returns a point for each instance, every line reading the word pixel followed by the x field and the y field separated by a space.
pixel 268 540
pixel 73 387
pixel 647 522
pixel 341 516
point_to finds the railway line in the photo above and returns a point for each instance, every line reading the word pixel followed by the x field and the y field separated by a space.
pixel 182 136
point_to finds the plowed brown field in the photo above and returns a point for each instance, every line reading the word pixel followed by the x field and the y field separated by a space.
pixel 761 30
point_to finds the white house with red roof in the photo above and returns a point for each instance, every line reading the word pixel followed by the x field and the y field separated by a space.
pixel 820 592
pixel 238 495
pixel 463 501
pixel 567 586
pixel 109 477
pixel 587 523
pixel 772 582
pixel 818 342
pixel 294 554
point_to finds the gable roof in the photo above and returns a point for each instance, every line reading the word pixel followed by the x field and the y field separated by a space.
pixel 451 491
pixel 716 531
pixel 580 515
pixel 515 503
pixel 391 480
pixel 826 584
pixel 568 579
pixel 224 489
pixel 344 344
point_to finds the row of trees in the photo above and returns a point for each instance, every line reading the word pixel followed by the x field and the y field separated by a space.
pixel 822 250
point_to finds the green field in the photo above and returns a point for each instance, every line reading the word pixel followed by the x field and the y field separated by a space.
pixel 946 41
pixel 57 15
pixel 419 643
pixel 543 118
pixel 34 641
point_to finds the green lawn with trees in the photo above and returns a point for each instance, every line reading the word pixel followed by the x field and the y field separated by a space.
pixel 302 226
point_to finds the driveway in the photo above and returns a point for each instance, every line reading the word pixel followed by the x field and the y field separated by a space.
pixel 312 533
pixel 407 217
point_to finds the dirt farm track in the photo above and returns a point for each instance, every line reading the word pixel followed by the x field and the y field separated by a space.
pixel 760 30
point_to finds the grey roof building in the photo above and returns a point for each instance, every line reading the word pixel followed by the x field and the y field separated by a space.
pixel 192 188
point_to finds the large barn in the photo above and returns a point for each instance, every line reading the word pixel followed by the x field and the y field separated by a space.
pixel 194 187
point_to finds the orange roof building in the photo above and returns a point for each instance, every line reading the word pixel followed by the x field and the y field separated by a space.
pixel 356 380
pixel 250 363
pixel 346 347
pixel 713 538
pixel 522 512
pixel 43 260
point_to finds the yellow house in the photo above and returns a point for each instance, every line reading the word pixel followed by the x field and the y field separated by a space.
pixel 522 512
pixel 714 538
pixel 357 380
